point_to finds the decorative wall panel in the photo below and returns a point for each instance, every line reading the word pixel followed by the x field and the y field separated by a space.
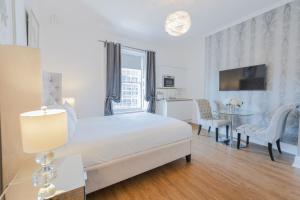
pixel 272 38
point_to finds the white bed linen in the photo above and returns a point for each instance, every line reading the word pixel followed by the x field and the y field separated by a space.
pixel 103 139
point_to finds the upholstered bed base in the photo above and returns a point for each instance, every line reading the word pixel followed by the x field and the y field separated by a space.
pixel 106 174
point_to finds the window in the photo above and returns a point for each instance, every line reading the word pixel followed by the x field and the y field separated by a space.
pixel 133 82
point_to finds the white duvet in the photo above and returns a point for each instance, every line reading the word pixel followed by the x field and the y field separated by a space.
pixel 103 139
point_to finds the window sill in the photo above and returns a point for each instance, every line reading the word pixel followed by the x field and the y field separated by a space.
pixel 118 112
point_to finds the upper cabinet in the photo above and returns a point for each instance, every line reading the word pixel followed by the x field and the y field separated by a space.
pixel 177 72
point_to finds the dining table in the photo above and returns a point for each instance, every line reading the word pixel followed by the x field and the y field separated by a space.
pixel 231 115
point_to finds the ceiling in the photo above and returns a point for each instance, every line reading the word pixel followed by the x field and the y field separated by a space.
pixel 145 18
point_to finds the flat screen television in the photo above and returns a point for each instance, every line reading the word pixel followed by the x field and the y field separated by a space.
pixel 246 78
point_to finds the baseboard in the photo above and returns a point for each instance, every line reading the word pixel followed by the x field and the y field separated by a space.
pixel 296 163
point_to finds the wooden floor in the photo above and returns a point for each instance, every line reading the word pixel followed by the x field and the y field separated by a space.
pixel 216 172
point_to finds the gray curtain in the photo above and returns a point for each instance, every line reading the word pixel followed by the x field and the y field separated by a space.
pixel 151 82
pixel 113 76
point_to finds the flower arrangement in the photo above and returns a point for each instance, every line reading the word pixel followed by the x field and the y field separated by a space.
pixel 234 102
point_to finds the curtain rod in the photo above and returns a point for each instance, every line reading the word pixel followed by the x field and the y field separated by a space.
pixel 124 46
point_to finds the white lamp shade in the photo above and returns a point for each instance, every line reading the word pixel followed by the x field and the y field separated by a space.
pixel 43 130
pixel 69 100
pixel 178 23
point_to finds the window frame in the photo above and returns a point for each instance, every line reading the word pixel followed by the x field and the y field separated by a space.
pixel 142 84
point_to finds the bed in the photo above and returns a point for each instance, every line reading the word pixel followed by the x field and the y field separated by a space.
pixel 115 148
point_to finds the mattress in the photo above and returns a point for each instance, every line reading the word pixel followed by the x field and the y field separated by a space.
pixel 103 139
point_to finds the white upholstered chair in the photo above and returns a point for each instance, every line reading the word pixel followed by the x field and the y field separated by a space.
pixel 272 133
pixel 204 117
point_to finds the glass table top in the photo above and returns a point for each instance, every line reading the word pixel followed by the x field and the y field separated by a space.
pixel 236 112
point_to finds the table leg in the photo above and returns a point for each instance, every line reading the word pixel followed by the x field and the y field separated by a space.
pixel 231 132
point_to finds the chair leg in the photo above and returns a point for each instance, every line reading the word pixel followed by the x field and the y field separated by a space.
pixel 209 129
pixel 247 141
pixel 199 129
pixel 278 146
pixel 188 158
pixel 217 134
pixel 270 146
pixel 238 141
pixel 227 131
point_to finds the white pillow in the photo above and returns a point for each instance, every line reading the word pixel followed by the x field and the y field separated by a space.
pixel 71 111
pixel 71 127
pixel 71 115
pixel 72 119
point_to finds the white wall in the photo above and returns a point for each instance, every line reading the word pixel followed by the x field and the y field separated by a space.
pixel 179 73
pixel 20 23
pixel 191 53
pixel 69 34
pixel 195 68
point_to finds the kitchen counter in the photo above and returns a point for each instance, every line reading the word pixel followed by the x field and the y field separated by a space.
pixel 179 99
pixel 180 108
pixel 175 99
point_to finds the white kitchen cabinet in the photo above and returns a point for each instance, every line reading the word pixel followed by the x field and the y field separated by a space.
pixel 177 108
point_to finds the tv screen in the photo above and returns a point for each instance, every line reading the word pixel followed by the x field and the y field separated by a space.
pixel 246 78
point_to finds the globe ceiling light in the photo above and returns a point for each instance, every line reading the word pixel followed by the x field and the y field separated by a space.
pixel 178 23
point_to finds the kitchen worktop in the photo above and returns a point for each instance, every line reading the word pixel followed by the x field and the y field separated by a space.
pixel 179 108
pixel 175 99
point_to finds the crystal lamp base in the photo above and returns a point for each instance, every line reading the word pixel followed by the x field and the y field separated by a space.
pixel 44 176
pixel 46 192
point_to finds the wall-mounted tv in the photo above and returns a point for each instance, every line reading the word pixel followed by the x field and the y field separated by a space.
pixel 246 78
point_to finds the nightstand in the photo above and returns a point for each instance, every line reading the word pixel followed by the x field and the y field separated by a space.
pixel 70 181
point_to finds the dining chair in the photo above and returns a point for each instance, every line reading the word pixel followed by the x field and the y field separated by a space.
pixel 272 133
pixel 204 117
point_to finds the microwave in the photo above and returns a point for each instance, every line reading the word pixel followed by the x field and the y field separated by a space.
pixel 169 81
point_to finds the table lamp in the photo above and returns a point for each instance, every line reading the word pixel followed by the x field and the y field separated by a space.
pixel 42 131
pixel 69 100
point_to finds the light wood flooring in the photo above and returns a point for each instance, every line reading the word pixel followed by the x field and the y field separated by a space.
pixel 215 172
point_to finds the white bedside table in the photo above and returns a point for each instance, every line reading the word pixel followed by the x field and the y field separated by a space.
pixel 70 181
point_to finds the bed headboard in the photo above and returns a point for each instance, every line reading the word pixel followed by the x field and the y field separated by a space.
pixel 52 88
